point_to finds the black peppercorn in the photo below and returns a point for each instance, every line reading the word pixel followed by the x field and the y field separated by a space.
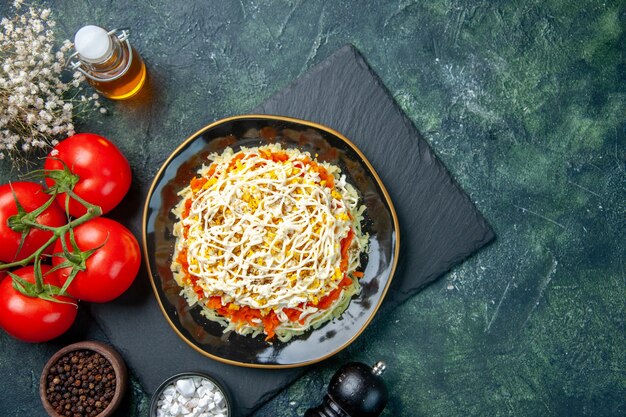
pixel 74 384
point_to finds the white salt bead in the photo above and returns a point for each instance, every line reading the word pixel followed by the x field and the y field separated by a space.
pixel 185 387
pixel 192 403
pixel 169 391
pixel 218 399
pixel 219 415
pixel 175 409
pixel 208 384
pixel 202 391
pixel 184 410
pixel 203 402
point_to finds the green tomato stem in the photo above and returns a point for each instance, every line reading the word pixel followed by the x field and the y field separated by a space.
pixel 38 276
pixel 57 232
pixel 35 213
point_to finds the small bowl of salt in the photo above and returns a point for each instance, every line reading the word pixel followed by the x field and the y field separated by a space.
pixel 190 394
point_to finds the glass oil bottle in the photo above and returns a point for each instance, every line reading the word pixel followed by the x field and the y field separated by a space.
pixel 108 61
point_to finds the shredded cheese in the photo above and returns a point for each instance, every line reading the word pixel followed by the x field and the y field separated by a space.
pixel 267 240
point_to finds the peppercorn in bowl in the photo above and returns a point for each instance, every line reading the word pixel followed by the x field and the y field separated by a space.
pixel 85 379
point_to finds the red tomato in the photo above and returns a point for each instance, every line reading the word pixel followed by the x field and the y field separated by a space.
pixel 110 269
pixel 31 196
pixel 32 319
pixel 103 172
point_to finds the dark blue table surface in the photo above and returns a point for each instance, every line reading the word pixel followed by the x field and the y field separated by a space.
pixel 523 101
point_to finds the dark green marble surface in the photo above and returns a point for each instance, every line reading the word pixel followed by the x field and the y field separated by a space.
pixel 525 103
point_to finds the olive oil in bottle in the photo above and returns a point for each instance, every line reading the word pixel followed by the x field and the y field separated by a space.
pixel 108 61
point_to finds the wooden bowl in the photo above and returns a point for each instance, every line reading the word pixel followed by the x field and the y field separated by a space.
pixel 110 354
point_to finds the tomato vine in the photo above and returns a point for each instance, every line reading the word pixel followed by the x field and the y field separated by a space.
pixel 23 222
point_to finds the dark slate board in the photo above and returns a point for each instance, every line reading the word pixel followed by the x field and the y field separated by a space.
pixel 439 225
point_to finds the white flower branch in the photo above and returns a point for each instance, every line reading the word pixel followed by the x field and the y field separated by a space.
pixel 37 108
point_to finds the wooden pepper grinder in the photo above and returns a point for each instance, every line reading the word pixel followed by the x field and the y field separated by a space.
pixel 356 390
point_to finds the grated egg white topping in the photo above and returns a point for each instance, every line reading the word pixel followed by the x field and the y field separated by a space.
pixel 267 233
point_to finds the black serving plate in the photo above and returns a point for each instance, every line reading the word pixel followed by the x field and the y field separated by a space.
pixel 158 241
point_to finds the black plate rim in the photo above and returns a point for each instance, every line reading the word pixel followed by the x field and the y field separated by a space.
pixel 379 182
